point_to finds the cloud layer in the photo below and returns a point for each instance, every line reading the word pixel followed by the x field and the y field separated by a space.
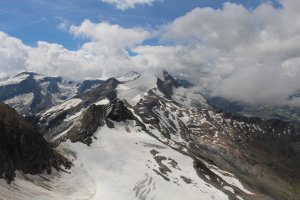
pixel 247 55
pixel 126 4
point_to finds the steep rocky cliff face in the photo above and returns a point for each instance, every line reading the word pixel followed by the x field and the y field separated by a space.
pixel 23 148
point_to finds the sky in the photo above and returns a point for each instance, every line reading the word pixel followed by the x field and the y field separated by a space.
pixel 246 50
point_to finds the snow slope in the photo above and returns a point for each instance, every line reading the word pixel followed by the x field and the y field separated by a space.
pixel 19 101
pixel 119 164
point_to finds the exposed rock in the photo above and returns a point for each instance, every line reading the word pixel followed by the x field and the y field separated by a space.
pixel 93 118
pixel 96 116
pixel 166 84
pixel 87 85
pixel 23 148
pixel 119 112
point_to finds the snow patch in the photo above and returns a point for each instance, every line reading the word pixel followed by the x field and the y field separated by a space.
pixel 102 102
pixel 133 91
pixel 64 106
pixel 23 99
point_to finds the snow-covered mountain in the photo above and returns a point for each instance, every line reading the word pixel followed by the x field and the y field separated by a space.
pixel 144 136
pixel 30 93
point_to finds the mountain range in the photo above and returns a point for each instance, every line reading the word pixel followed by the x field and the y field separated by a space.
pixel 145 136
pixel 30 93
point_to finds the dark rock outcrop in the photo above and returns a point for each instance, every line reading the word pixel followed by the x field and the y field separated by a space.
pixel 23 148
pixel 166 84
pixel 119 112
pixel 87 85
pixel 96 116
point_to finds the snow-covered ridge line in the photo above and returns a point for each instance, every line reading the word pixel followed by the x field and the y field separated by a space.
pixel 64 106
pixel 131 76
pixel 14 80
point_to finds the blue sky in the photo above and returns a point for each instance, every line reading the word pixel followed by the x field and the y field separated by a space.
pixel 38 20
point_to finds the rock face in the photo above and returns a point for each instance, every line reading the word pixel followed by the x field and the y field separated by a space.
pixel 30 93
pixel 87 85
pixel 96 116
pixel 23 148
pixel 61 117
pixel 167 83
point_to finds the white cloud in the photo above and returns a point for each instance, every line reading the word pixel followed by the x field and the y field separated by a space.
pixel 64 24
pixel 126 4
pixel 245 55
pixel 105 55
pixel 111 35
pixel 13 54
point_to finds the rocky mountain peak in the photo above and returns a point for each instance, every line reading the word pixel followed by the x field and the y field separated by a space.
pixel 167 83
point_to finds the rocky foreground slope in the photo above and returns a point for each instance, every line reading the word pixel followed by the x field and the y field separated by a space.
pixel 149 137
pixel 22 148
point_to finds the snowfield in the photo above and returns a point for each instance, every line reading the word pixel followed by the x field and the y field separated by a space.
pixel 103 102
pixel 133 91
pixel 20 102
pixel 122 163
pixel 14 80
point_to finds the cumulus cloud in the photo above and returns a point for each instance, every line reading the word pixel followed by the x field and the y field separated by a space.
pixel 104 55
pixel 110 35
pixel 126 4
pixel 247 55
pixel 13 54
pixel 64 24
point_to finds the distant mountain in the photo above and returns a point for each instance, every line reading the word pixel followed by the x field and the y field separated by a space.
pixel 286 113
pixel 22 148
pixel 30 93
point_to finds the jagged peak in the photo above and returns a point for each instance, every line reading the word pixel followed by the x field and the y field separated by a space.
pixel 112 80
